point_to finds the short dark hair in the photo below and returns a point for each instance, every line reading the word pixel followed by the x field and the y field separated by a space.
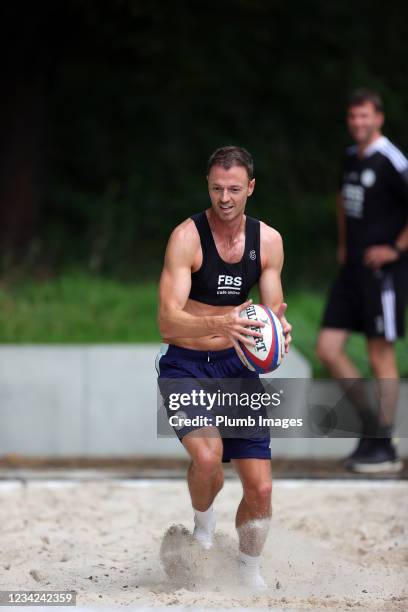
pixel 362 95
pixel 229 156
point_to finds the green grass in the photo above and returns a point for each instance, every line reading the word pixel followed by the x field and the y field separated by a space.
pixel 78 309
pixel 84 309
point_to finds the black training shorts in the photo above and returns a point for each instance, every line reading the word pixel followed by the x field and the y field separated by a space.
pixel 369 301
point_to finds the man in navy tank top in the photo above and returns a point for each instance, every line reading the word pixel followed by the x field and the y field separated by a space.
pixel 212 261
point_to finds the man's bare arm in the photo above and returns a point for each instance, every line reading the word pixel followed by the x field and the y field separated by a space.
pixel 341 229
pixel 270 286
pixel 402 240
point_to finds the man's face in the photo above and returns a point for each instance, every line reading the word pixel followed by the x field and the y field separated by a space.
pixel 364 122
pixel 229 190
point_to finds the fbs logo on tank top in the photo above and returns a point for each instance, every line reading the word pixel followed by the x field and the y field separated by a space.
pixel 229 285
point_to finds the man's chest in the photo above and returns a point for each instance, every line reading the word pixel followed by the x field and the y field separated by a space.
pixel 230 252
pixel 364 189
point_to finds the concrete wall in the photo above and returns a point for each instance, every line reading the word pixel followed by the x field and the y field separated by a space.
pixel 101 400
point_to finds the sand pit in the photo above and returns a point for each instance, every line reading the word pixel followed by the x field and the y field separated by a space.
pixel 333 545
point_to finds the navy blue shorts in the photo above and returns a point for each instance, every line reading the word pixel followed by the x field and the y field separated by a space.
pixel 181 363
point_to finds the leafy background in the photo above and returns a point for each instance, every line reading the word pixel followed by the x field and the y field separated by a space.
pixel 112 109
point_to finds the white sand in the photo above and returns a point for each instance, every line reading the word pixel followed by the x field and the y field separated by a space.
pixel 332 545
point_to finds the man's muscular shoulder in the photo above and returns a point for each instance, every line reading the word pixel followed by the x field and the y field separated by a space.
pixel 184 241
pixel 271 246
pixel 270 235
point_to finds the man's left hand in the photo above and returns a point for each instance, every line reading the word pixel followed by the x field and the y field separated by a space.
pixel 377 256
pixel 287 328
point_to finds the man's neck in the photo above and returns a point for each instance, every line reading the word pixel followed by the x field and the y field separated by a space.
pixel 362 147
pixel 229 230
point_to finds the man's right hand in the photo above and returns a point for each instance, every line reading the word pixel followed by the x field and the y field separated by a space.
pixel 236 328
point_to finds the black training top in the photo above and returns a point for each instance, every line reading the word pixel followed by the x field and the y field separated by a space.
pixel 374 192
pixel 218 282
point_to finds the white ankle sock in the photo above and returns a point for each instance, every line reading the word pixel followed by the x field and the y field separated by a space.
pixel 248 561
pixel 204 527
pixel 204 519
pixel 249 568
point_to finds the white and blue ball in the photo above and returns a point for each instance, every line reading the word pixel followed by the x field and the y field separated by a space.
pixel 268 352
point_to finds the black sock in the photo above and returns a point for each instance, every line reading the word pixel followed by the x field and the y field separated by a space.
pixel 369 423
pixel 385 431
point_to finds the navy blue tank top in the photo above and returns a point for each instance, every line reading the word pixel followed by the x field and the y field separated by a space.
pixel 218 282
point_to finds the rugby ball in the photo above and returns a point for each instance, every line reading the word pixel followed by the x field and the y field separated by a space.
pixel 268 352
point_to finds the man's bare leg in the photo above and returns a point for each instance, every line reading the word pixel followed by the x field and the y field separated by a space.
pixel 205 479
pixel 384 366
pixel 330 350
pixel 253 516
pixel 382 455
pixel 377 418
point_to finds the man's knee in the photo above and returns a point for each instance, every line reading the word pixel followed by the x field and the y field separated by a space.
pixel 257 493
pixel 382 357
pixel 323 353
pixel 375 360
pixel 207 462
pixel 327 351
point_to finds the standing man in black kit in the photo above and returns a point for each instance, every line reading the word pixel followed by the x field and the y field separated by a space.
pixel 369 293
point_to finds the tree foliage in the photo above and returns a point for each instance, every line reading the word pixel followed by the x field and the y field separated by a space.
pixel 134 96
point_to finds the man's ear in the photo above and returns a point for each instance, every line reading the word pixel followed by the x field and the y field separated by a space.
pixel 380 120
pixel 251 186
